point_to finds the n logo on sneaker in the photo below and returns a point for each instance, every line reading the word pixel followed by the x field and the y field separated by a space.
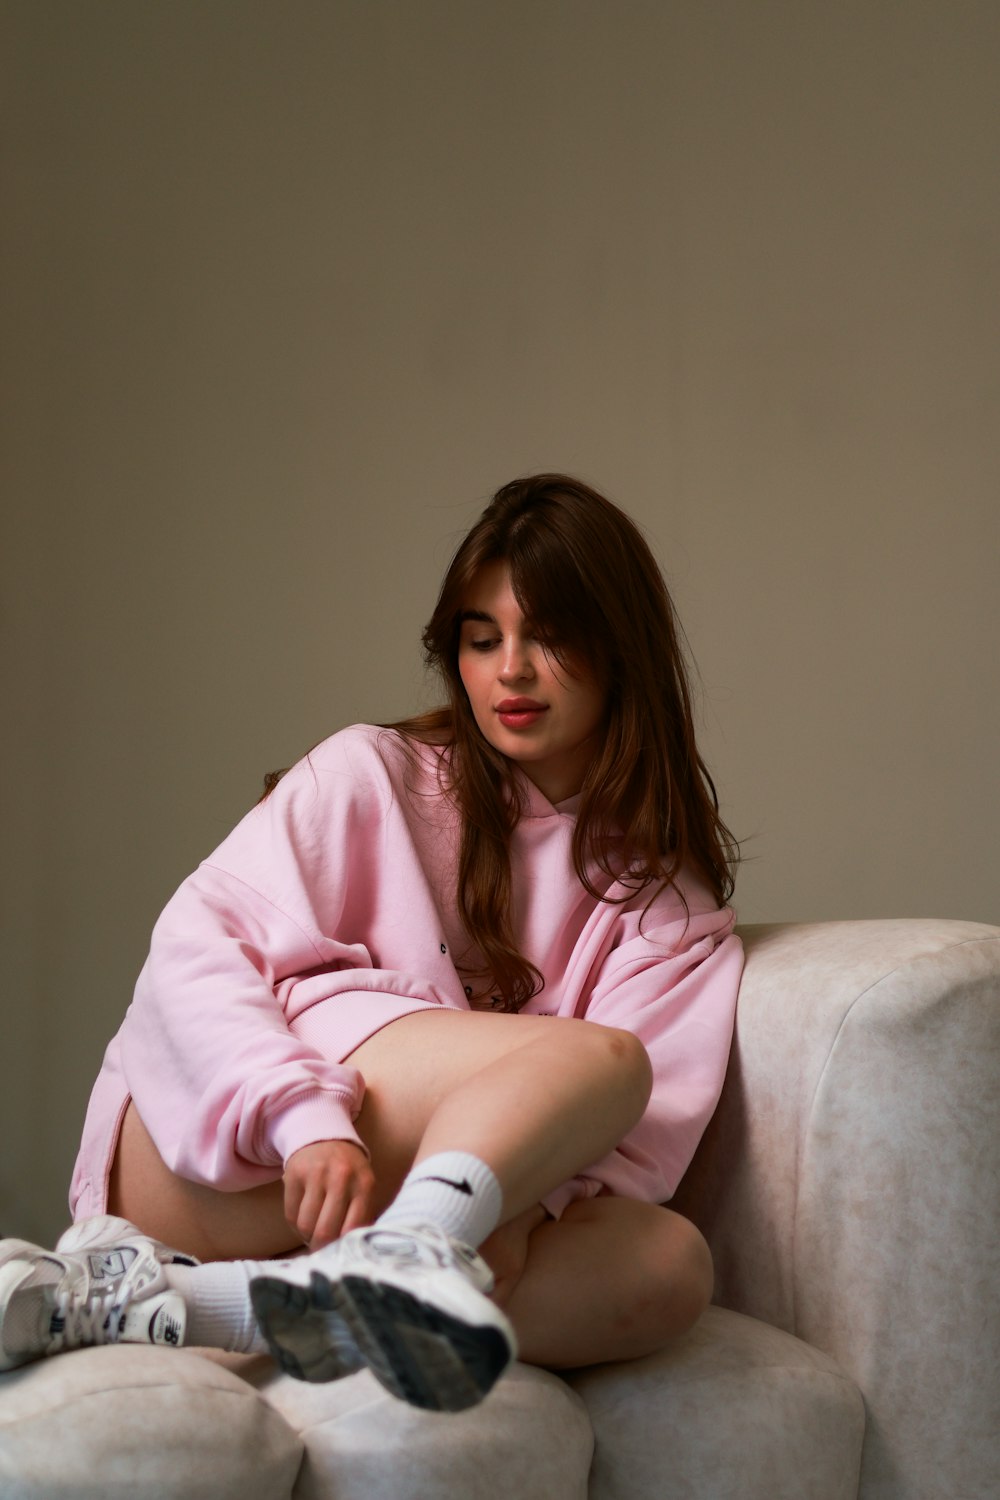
pixel 169 1332
pixel 111 1264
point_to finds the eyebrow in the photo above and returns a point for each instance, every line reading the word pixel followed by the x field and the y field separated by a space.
pixel 476 614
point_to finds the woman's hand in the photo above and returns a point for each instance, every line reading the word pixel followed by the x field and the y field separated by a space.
pixel 506 1251
pixel 328 1191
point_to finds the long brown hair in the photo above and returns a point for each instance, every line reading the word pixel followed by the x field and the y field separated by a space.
pixel 584 576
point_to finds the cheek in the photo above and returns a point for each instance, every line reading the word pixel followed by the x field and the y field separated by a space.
pixel 470 679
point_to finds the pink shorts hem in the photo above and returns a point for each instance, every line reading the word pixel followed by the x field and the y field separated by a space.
pixel 336 1027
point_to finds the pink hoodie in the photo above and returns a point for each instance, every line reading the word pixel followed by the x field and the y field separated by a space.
pixel 328 912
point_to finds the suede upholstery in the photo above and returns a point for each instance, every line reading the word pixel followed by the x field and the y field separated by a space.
pixel 849 1183
pixel 849 1187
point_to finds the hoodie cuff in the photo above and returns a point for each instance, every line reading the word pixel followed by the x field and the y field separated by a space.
pixel 314 1116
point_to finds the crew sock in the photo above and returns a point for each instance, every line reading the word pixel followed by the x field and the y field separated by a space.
pixel 217 1297
pixel 452 1189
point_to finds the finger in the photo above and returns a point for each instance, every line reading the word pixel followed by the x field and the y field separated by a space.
pixel 326 1226
pixel 347 1207
pixel 294 1191
pixel 360 1209
pixel 310 1209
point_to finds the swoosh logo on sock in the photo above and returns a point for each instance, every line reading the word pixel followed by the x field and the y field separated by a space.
pixel 465 1186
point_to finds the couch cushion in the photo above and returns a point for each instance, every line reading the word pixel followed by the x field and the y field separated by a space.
pixel 99 1424
pixel 735 1410
pixel 529 1440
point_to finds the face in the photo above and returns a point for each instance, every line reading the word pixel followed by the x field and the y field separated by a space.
pixel 542 715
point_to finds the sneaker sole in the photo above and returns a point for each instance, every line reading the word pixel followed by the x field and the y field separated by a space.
pixel 309 1343
pixel 419 1353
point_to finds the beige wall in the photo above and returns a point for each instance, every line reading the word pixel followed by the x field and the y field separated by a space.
pixel 289 289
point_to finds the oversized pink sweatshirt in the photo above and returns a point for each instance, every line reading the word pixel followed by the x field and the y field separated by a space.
pixel 328 912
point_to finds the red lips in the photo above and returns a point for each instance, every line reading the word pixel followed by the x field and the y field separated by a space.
pixel 520 713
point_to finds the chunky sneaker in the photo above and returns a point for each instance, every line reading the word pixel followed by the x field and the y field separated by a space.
pixel 103 1284
pixel 410 1304
pixel 308 1341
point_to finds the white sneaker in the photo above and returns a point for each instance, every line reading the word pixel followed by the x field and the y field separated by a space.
pixel 103 1284
pixel 409 1303
pixel 308 1341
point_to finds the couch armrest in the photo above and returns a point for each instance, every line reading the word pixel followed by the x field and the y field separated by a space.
pixel 849 1183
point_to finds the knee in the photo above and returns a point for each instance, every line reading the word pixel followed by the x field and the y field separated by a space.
pixel 623 1058
pixel 633 1058
pixel 694 1275
pixel 673 1279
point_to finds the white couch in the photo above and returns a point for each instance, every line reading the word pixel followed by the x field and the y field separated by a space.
pixel 849 1188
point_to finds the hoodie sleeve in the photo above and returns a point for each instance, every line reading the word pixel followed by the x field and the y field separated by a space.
pixel 673 983
pixel 215 1047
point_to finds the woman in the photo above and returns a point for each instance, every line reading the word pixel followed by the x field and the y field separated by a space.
pixel 450 1007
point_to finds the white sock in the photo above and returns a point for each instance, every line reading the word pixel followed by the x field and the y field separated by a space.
pixel 217 1298
pixel 454 1190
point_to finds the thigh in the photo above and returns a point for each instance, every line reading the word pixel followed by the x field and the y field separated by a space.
pixel 414 1063
pixel 191 1217
pixel 408 1067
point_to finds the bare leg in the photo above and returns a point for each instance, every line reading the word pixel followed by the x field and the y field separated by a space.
pixel 188 1216
pixel 536 1098
pixel 613 1279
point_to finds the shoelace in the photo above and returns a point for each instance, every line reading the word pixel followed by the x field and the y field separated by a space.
pixel 96 1320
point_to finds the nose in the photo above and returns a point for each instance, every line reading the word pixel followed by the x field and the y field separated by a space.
pixel 515 661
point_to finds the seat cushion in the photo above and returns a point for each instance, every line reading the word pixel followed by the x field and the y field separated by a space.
pixel 99 1424
pixel 735 1410
pixel 529 1440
